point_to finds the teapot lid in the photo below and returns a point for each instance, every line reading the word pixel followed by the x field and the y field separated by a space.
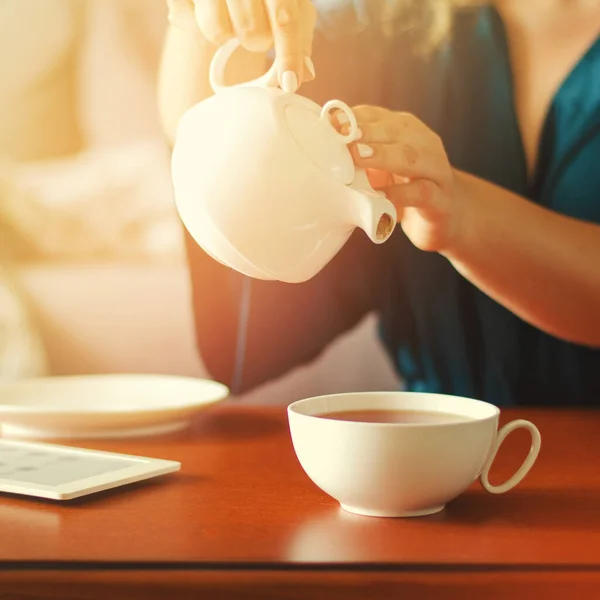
pixel 311 128
pixel 308 124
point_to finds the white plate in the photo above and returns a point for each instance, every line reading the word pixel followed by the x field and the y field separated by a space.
pixel 101 406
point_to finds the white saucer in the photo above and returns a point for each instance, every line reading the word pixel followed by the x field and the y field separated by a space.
pixel 103 406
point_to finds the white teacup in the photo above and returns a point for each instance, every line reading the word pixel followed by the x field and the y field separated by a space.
pixel 402 469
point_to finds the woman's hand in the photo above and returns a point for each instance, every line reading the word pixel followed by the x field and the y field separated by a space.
pixel 287 25
pixel 407 161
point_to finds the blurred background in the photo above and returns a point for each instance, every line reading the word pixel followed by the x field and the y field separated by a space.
pixel 92 272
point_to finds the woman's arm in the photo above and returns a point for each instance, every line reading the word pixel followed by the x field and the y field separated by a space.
pixel 250 331
pixel 541 265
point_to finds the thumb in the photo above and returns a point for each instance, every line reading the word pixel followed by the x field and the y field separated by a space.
pixel 308 18
pixel 287 39
pixel 182 15
pixel 382 179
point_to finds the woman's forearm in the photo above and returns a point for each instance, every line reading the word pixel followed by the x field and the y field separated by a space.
pixel 543 266
pixel 183 75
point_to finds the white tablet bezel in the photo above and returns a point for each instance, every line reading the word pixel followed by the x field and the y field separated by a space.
pixel 144 469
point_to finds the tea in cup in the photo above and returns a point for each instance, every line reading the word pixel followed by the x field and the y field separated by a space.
pixel 401 454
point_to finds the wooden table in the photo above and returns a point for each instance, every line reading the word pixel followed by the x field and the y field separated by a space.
pixel 242 520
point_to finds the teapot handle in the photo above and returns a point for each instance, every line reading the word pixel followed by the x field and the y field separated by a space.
pixel 218 67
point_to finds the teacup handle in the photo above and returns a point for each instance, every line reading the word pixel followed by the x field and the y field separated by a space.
pixel 218 67
pixel 534 450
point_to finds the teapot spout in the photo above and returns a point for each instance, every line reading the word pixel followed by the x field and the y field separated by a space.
pixel 372 211
pixel 374 214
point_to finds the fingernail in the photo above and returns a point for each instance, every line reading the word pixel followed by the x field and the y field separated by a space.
pixel 364 151
pixel 342 118
pixel 310 66
pixel 289 82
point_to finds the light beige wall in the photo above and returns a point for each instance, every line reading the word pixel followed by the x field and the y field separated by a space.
pixel 117 83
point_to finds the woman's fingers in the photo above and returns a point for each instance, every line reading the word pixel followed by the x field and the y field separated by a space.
pixel 250 24
pixel 181 14
pixel 397 143
pixel 308 20
pixel 364 115
pixel 213 20
pixel 259 24
pixel 376 132
pixel 419 193
pixel 284 18
pixel 369 114
pixel 392 131
pixel 380 180
pixel 407 159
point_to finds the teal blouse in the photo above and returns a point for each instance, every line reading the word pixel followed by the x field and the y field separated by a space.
pixel 442 333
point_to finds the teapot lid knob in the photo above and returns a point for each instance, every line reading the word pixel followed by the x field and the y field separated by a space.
pixel 352 134
pixel 326 147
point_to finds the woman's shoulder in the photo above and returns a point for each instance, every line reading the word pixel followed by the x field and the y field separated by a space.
pixel 359 62
pixel 350 53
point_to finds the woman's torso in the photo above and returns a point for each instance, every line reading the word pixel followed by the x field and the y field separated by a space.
pixel 459 340
pixel 442 332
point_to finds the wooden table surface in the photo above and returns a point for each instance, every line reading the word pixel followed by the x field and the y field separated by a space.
pixel 242 520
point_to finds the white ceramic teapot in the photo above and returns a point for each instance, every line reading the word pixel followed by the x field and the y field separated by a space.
pixel 265 184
